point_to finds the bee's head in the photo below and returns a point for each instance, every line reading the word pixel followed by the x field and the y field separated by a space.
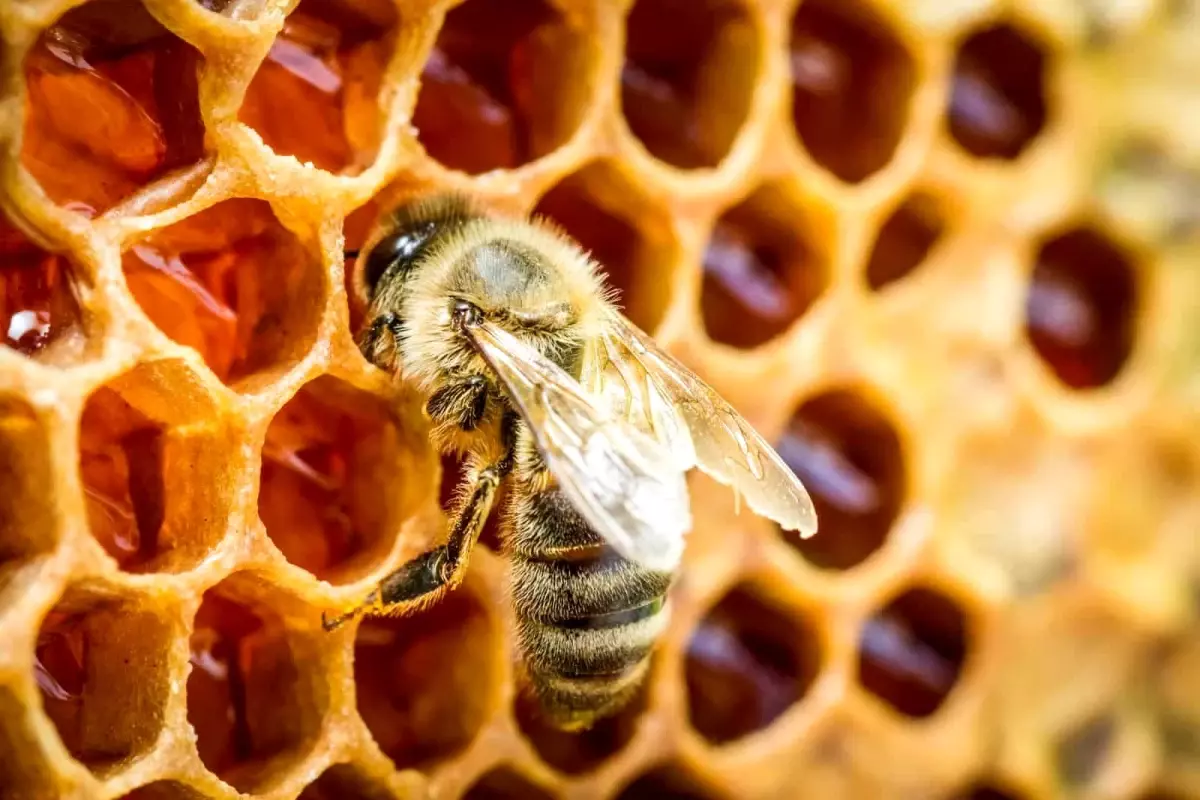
pixel 404 237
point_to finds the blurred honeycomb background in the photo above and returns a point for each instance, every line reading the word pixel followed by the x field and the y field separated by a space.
pixel 944 253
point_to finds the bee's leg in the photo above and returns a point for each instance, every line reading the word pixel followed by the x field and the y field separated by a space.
pixel 462 404
pixel 372 344
pixel 442 568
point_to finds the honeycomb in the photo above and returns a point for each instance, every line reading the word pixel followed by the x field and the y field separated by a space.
pixel 943 253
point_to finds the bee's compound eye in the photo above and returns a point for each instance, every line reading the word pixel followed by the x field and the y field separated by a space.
pixel 396 253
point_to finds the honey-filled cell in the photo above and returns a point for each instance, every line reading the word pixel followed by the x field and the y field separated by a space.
pixel 749 660
pixel 40 313
pixel 253 699
pixel 505 84
pixel 688 77
pixel 111 105
pixel 852 84
pixel 315 96
pixel 911 652
pixel 234 284
pixel 849 457
pixel 150 465
pixel 101 669
pixel 1081 307
pixel 635 250
pixel 905 239
pixel 345 782
pixel 764 266
pixel 338 478
pixel 998 103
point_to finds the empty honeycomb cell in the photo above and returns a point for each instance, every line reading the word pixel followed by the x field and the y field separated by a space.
pixel 251 699
pixel 1080 309
pixel 425 682
pixel 28 518
pixel 503 86
pixel 849 456
pixel 315 95
pixel 151 469
pixel 748 661
pixel 111 105
pixel 905 239
pixel 101 667
pixel 997 103
pixel 344 782
pixel 576 753
pixel 688 77
pixel 852 83
pixel 40 310
pixel 764 266
pixel 336 480
pixel 1081 753
pixel 235 285
pixel 668 782
pixel 165 790
pixel 634 249
pixel 505 783
pixel 911 652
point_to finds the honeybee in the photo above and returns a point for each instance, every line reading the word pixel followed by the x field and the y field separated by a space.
pixel 529 370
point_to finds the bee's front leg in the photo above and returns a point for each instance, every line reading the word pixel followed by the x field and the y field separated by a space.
pixel 462 403
pixel 373 345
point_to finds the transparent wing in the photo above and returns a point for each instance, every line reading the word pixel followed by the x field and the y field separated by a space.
pixel 623 482
pixel 665 399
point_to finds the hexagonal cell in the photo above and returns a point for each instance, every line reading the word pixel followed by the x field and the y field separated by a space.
pixel 425 682
pixel 503 85
pixel 152 467
pixel 28 514
pixel 39 304
pixel 337 480
pixel 1079 756
pixel 344 782
pixel 251 699
pixel 998 92
pixel 575 753
pixel 1081 307
pixel 112 105
pixel 850 458
pixel 635 250
pixel 905 239
pixel 852 82
pixel 315 95
pixel 505 783
pixel 911 652
pixel 762 269
pixel 234 284
pixel 668 782
pixel 165 790
pixel 101 666
pixel 748 661
pixel 688 77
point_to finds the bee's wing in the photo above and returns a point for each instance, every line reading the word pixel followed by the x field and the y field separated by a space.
pixel 622 481
pixel 669 401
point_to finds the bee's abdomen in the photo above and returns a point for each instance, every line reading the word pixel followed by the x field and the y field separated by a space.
pixel 587 619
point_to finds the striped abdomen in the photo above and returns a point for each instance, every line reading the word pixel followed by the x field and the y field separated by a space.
pixel 587 619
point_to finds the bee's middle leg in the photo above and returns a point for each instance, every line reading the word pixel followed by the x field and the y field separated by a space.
pixel 418 581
